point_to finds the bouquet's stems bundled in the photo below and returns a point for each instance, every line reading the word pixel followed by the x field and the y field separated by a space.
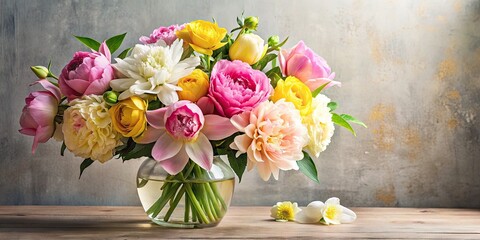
pixel 203 202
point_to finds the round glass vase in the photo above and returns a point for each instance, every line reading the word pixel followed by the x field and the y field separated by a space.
pixel 193 198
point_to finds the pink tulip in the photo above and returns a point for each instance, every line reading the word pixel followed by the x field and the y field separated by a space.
pixel 167 34
pixel 306 65
pixel 235 87
pixel 181 132
pixel 38 115
pixel 87 73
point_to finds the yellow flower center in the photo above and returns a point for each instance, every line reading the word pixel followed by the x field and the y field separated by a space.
pixel 286 212
pixel 333 212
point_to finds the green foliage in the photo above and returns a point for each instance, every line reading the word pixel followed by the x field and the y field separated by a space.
pixel 87 162
pixel 237 164
pixel 307 167
pixel 319 89
pixel 140 150
pixel 332 106
pixel 90 43
pixel 353 120
pixel 260 65
pixel 114 42
pixel 62 150
pixel 124 53
pixel 274 74
pixel 337 119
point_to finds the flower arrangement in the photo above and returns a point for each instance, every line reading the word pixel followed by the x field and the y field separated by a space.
pixel 184 94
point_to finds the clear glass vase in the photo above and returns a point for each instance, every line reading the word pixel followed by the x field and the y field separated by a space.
pixel 193 198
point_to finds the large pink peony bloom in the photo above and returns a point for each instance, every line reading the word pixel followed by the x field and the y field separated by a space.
pixel 181 131
pixel 167 34
pixel 306 65
pixel 235 87
pixel 38 115
pixel 87 73
pixel 274 137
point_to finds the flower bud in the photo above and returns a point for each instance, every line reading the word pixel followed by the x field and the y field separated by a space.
pixel 251 23
pixel 248 48
pixel 273 40
pixel 111 97
pixel 40 71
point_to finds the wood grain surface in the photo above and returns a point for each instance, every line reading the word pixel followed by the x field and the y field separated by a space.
pixel 94 222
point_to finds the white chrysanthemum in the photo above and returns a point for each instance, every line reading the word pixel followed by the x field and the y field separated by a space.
pixel 320 126
pixel 153 69
pixel 87 129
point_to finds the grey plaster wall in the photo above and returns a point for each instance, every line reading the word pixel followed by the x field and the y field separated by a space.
pixel 410 69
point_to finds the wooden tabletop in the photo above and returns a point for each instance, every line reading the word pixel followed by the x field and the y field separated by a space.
pixel 92 222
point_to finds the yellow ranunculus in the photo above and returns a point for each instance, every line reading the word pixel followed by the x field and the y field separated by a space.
pixel 296 92
pixel 203 36
pixel 248 48
pixel 128 116
pixel 194 86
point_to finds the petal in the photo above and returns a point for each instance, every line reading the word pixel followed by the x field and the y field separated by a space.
pixel 176 163
pixel 50 87
pixel 348 216
pixel 217 127
pixel 156 118
pixel 150 135
pixel 105 50
pixel 241 121
pixel 206 104
pixel 310 214
pixel 200 151
pixel 315 83
pixel 165 147
pixel 333 201
pixel 242 142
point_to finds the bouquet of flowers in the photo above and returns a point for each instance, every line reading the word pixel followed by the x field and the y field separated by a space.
pixel 184 94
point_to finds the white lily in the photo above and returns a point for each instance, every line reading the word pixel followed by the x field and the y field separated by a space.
pixel 330 212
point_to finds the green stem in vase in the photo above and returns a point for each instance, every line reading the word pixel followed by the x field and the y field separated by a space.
pixel 186 217
pixel 195 204
pixel 174 203
pixel 218 196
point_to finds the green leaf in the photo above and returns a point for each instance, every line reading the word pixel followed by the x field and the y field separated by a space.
pixel 319 89
pixel 237 164
pixel 62 150
pixel 332 106
pixel 274 74
pixel 90 43
pixel 337 119
pixel 87 162
pixel 114 42
pixel 240 22
pixel 124 53
pixel 260 65
pixel 140 150
pixel 307 167
pixel 282 43
pixel 353 120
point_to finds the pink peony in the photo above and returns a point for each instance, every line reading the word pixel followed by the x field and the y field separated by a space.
pixel 38 115
pixel 181 132
pixel 274 137
pixel 167 34
pixel 235 87
pixel 87 73
pixel 306 65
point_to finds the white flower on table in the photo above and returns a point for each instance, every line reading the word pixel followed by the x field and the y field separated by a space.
pixel 330 212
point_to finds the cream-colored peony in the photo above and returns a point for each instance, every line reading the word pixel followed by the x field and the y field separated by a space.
pixel 87 129
pixel 320 126
pixel 153 70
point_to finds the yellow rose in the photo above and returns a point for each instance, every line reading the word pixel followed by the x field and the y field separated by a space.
pixel 203 36
pixel 296 92
pixel 194 86
pixel 128 116
pixel 249 48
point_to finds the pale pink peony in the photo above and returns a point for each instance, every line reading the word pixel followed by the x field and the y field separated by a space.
pixel 235 87
pixel 87 73
pixel 167 34
pixel 274 137
pixel 181 132
pixel 306 65
pixel 38 115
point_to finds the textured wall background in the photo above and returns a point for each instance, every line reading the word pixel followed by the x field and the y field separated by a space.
pixel 410 69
